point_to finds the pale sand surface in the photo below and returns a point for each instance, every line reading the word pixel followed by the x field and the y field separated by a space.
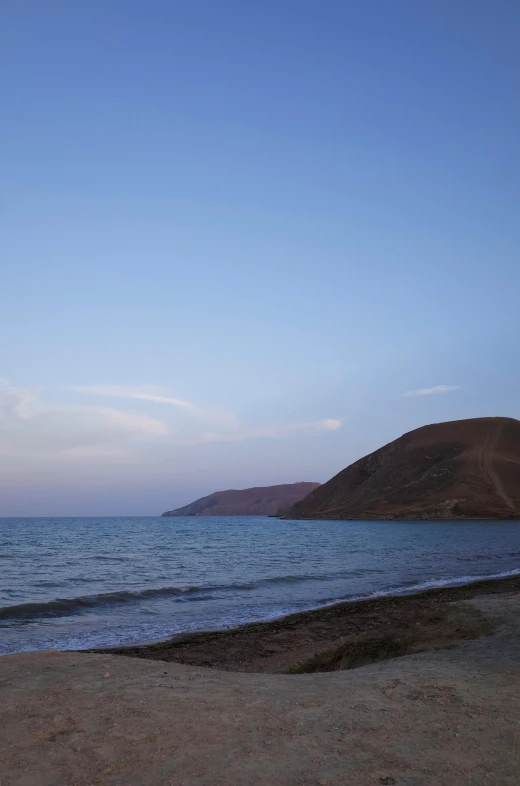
pixel 438 718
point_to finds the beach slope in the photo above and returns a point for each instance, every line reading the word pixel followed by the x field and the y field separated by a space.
pixel 433 719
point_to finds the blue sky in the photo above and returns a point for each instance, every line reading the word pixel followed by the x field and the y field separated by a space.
pixel 236 234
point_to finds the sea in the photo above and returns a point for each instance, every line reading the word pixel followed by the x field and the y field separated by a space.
pixel 76 583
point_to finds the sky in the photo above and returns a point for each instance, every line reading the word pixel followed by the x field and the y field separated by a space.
pixel 247 243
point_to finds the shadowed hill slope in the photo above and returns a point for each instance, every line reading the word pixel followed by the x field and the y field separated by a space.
pixel 259 501
pixel 459 469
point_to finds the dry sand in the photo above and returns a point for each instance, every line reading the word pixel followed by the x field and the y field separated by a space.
pixel 446 717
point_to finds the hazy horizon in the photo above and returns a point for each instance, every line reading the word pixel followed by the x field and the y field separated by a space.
pixel 247 244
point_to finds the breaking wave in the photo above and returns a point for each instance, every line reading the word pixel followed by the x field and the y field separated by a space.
pixel 63 607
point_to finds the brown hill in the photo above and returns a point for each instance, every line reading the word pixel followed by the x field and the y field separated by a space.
pixel 460 469
pixel 259 501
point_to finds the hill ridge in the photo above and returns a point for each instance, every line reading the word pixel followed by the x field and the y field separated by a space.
pixel 254 501
pixel 456 469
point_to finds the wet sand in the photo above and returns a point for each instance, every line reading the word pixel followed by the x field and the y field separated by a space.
pixel 345 635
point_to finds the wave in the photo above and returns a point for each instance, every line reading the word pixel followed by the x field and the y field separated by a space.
pixel 394 591
pixel 61 607
pixel 432 584
pixel 65 606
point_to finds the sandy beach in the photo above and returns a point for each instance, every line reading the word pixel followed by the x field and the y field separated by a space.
pixel 445 716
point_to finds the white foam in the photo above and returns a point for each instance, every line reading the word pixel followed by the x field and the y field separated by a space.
pixel 425 585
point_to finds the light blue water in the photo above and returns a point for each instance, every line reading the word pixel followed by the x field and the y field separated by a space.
pixel 73 583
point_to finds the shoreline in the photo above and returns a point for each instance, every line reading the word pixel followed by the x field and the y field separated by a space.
pixel 342 635
pixel 442 717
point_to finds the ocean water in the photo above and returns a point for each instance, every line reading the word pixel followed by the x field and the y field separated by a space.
pixel 83 582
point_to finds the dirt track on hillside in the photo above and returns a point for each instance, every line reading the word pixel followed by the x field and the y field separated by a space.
pixel 486 462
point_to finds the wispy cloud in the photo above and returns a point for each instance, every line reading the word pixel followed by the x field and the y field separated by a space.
pixel 30 428
pixel 158 395
pixel 432 391
pixel 276 431
pixel 225 427
pixel 307 427
pixel 142 393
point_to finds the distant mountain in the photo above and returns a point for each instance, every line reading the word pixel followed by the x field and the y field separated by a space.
pixel 460 469
pixel 258 501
